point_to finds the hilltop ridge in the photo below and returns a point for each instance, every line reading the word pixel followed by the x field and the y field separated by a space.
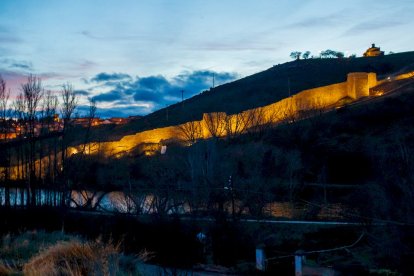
pixel 263 88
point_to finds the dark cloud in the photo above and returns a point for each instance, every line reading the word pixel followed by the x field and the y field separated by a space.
pixel 157 91
pixel 82 92
pixel 155 83
pixel 22 65
pixel 160 91
pixel 13 64
pixel 111 96
pixel 105 77
pixel 122 111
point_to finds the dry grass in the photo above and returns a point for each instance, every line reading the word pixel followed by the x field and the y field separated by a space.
pixel 6 270
pixel 75 258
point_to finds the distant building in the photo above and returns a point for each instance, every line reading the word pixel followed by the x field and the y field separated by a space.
pixel 86 121
pixel 119 121
pixel 8 135
pixel 373 51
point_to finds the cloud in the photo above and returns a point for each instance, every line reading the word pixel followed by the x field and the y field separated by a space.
pixel 333 19
pixel 13 64
pixel 82 92
pixel 122 111
pixel 234 46
pixel 374 25
pixel 109 96
pixel 325 21
pixel 147 94
pixel 22 65
pixel 115 111
pixel 104 77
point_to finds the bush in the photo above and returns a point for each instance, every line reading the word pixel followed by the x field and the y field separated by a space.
pixel 75 258
pixel 15 250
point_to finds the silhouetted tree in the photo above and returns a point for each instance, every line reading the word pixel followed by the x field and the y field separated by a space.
pixel 19 107
pixel 69 103
pixel 5 128
pixel 306 55
pixel 215 123
pixel 191 131
pixel 236 124
pixel 50 104
pixel 295 55
pixel 32 94
pixel 339 54
pixel 331 54
pixel 91 116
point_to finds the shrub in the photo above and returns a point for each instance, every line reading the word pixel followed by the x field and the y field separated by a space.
pixel 75 258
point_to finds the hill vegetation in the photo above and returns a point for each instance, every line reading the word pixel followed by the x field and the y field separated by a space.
pixel 263 88
pixel 354 164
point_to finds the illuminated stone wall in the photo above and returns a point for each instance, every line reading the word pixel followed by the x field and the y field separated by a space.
pixel 356 86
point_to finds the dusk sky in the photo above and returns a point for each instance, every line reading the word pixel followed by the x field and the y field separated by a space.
pixel 135 57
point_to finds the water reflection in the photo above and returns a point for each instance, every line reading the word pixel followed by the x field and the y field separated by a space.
pixel 121 202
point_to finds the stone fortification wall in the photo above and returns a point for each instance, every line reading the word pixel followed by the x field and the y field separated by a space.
pixel 360 83
pixel 220 124
pixel 356 86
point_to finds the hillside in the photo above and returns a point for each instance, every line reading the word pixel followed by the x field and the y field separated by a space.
pixel 261 89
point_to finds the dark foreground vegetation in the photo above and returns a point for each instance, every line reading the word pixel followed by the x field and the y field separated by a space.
pixel 354 164
pixel 359 157
pixel 122 243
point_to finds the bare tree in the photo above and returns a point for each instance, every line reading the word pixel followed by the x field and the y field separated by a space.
pixel 191 131
pixel 4 98
pixel 4 109
pixel 19 109
pixel 91 116
pixel 236 124
pixel 215 123
pixel 32 93
pixel 257 121
pixel 5 127
pixel 69 103
pixel 50 103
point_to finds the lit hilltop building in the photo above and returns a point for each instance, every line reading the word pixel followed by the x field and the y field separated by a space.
pixel 373 52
